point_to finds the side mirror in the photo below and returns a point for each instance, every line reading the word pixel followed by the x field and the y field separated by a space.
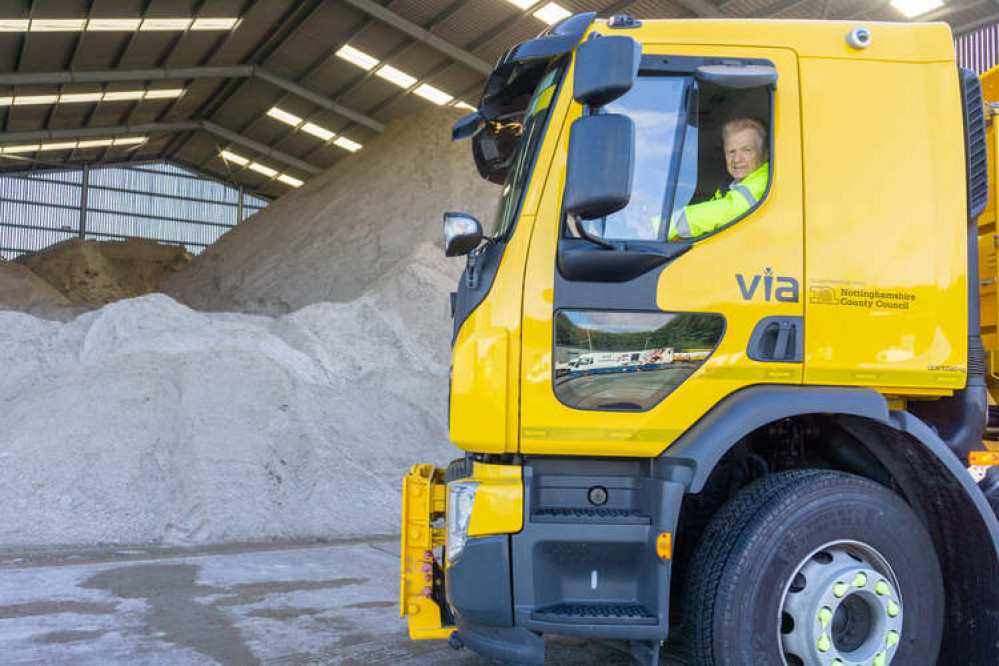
pixel 468 126
pixel 606 68
pixel 600 165
pixel 462 234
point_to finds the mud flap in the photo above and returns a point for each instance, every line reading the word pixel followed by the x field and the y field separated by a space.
pixel 421 597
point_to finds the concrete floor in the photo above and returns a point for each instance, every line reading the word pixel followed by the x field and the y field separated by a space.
pixel 285 604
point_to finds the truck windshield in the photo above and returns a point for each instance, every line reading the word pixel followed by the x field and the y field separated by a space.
pixel 532 128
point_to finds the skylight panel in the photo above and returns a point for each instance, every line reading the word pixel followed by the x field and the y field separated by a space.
pixel 24 148
pixel 151 24
pixel 552 13
pixel 215 23
pixel 347 144
pixel 130 140
pixel 278 113
pixel 464 105
pixel 356 57
pixel 113 24
pixel 63 145
pixel 28 100
pixel 14 25
pixel 78 98
pixel 95 143
pixel 317 131
pixel 260 168
pixel 435 95
pixel 164 93
pixel 229 156
pixel 523 4
pixel 289 180
pixel 58 25
pixel 393 75
pixel 124 95
pixel 914 8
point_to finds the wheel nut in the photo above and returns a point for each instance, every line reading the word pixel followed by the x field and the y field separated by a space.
pixel 839 589
pixel 824 644
pixel 881 587
pixel 892 609
pixel 825 616
pixel 892 639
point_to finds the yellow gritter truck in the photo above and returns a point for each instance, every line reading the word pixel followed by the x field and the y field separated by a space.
pixel 788 484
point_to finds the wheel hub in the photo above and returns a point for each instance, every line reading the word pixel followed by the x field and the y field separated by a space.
pixel 841 608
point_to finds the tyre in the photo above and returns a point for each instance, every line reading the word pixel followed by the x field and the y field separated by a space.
pixel 812 567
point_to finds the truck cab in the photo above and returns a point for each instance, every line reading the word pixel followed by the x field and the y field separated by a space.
pixel 786 478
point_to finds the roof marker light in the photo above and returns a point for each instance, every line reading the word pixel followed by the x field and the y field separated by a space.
pixel 355 57
pixel 552 13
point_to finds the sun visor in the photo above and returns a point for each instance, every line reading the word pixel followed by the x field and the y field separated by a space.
pixel 521 67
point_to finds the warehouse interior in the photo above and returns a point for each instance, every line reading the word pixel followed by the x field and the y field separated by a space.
pixel 224 306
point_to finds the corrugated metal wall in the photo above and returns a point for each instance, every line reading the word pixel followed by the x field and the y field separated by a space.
pixel 978 50
pixel 161 202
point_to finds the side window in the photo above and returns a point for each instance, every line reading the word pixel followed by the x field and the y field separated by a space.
pixel 702 158
pixel 725 167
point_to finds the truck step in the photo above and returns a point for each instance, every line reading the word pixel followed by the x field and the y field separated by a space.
pixel 588 515
pixel 596 613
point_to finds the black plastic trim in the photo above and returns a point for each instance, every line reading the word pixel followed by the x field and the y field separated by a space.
pixel 512 645
pixel 478 582
pixel 467 298
pixel 976 151
pixel 693 457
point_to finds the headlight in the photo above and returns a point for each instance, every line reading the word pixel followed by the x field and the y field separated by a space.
pixel 460 498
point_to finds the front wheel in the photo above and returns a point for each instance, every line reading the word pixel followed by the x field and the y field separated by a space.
pixel 810 568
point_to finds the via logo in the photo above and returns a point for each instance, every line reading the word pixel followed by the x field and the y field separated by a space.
pixel 776 288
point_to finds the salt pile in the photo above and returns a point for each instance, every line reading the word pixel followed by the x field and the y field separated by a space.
pixel 146 421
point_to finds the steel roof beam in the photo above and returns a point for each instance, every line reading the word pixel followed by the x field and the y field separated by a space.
pixel 430 39
pixel 153 128
pixel 161 73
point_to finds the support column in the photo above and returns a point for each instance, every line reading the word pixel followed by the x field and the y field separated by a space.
pixel 84 189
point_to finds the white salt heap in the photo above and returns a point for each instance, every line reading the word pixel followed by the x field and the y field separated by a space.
pixel 147 421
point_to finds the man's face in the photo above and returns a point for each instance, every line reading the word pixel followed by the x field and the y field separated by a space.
pixel 743 153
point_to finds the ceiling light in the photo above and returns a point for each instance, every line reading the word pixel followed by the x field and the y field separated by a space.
pixel 913 8
pixel 164 93
pixel 359 58
pixel 26 148
pixel 347 144
pixel 465 106
pixel 113 25
pixel 260 168
pixel 130 140
pixel 215 23
pixel 124 95
pixel 14 25
pixel 393 75
pixel 6 101
pixel 165 24
pixel 288 180
pixel 77 98
pixel 234 158
pixel 58 25
pixel 523 4
pixel 435 95
pixel 552 13
pixel 317 131
pixel 284 116
pixel 27 100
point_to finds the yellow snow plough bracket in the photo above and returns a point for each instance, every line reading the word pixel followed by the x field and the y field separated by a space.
pixel 424 498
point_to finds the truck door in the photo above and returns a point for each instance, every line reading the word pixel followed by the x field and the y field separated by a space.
pixel 706 307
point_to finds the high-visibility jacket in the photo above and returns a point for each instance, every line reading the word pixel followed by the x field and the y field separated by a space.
pixel 698 219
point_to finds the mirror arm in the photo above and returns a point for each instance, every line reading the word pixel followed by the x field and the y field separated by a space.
pixel 472 263
pixel 582 233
